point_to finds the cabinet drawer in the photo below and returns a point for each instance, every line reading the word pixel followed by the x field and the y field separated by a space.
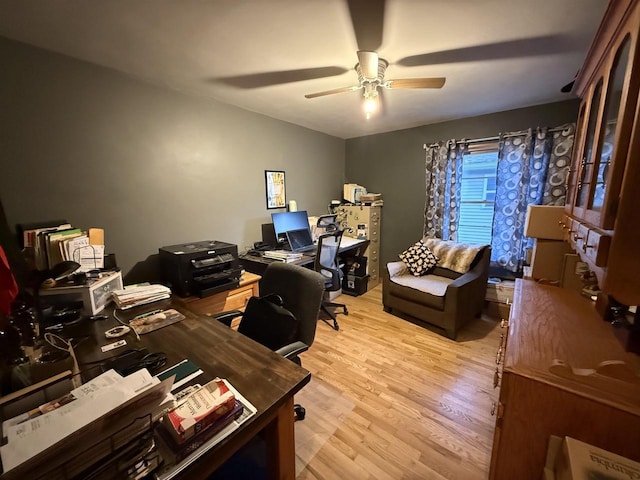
pixel 596 248
pixel 579 238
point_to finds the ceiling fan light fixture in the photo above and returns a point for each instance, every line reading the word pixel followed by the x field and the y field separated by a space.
pixel 370 100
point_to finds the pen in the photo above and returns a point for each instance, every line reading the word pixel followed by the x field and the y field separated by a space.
pixel 148 314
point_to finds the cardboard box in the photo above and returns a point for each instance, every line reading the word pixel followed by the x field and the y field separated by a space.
pixel 572 270
pixel 501 292
pixel 577 460
pixel 543 221
pixel 547 261
pixel 94 296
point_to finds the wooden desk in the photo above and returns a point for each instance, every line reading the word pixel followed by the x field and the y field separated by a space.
pixel 258 265
pixel 235 299
pixel 266 379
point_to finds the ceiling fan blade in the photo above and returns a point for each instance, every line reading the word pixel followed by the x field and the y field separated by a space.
pixel 367 17
pixel 265 79
pixel 567 88
pixel 368 64
pixel 526 47
pixel 335 90
pixel 435 82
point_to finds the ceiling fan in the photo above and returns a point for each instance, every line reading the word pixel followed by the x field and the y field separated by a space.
pixel 367 18
pixel 371 69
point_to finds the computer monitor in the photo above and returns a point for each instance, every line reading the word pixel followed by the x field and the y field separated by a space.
pixel 286 221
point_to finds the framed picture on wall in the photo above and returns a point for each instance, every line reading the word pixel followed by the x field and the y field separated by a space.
pixel 276 193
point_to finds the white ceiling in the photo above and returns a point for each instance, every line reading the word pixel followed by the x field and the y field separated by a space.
pixel 496 54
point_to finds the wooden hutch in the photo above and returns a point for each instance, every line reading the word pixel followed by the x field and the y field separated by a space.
pixel 562 367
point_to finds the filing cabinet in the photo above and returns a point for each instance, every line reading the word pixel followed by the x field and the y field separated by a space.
pixel 363 221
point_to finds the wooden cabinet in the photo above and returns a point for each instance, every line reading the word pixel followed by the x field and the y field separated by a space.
pixel 564 373
pixel 361 221
pixel 603 182
pixel 235 299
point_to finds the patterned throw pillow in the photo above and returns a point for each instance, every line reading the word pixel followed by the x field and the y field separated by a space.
pixel 419 259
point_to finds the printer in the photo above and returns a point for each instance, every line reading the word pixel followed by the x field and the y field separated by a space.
pixel 200 268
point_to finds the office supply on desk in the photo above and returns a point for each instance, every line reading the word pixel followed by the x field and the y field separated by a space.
pixel 136 295
pixel 282 255
pixel 200 268
pixel 149 323
pixel 81 433
pixel 184 372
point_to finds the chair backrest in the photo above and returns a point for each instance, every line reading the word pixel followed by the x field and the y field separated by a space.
pixel 301 290
pixel 326 261
pixel 328 222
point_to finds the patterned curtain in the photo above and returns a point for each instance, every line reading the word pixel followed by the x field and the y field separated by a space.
pixel 443 165
pixel 532 170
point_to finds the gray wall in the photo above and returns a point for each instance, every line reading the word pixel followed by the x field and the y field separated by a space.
pixel 151 166
pixel 393 164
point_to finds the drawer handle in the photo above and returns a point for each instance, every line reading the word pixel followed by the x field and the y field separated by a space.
pixel 494 406
pixel 504 323
pixel 562 224
pixel 577 237
pixel 499 355
pixel 496 379
pixel 585 246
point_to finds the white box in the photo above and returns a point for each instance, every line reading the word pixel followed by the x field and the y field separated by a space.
pixel 94 296
pixel 577 460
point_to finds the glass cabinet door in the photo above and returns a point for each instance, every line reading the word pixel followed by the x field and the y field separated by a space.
pixel 610 124
pixel 574 171
pixel 586 164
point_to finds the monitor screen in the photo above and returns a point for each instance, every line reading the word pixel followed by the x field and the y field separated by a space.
pixel 286 221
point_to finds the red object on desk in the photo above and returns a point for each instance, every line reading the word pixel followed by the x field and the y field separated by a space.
pixel 8 285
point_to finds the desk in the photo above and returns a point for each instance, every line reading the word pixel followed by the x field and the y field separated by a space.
pixel 235 299
pixel 258 265
pixel 267 380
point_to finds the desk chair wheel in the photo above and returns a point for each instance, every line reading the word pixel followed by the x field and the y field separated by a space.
pixel 299 411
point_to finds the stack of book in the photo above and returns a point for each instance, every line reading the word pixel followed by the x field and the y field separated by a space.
pixel 205 417
pixel 282 255
pixel 134 295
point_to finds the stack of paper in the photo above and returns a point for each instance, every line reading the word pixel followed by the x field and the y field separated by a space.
pixel 135 295
pixel 282 255
pixel 107 403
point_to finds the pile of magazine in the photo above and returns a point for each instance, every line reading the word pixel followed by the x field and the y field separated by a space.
pixel 141 294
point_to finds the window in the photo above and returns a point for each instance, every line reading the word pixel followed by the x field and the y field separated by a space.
pixel 477 195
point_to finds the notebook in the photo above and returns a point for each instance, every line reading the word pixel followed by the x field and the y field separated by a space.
pixel 300 240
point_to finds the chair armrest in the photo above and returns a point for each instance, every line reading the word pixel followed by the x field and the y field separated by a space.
pixel 396 268
pixel 227 317
pixel 292 350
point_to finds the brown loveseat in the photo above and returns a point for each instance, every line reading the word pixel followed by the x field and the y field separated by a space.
pixel 443 297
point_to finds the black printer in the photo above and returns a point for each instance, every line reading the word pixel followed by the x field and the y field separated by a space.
pixel 200 268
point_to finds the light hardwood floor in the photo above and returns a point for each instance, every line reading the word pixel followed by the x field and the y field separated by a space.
pixel 418 403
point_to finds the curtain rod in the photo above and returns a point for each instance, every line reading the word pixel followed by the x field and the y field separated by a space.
pixel 490 139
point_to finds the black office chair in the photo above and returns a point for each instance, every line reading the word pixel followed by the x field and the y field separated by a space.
pixel 285 316
pixel 326 263
pixel 328 222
